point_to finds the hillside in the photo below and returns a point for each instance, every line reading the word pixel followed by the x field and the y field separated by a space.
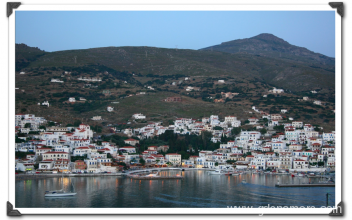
pixel 139 79
pixel 24 55
pixel 269 45
pixel 294 76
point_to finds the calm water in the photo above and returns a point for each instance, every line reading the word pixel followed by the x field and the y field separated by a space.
pixel 196 190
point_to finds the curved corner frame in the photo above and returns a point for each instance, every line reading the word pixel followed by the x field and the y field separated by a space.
pixel 11 211
pixel 339 6
pixel 11 6
pixel 338 211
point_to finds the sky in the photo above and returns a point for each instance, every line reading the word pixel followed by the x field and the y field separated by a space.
pixel 67 30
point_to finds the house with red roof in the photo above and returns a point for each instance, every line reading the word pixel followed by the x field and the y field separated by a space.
pixel 128 149
pixel 82 151
pixel 53 155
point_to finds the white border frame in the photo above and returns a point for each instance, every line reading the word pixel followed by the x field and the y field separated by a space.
pixel 175 7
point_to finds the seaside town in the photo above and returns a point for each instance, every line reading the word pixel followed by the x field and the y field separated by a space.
pixel 276 144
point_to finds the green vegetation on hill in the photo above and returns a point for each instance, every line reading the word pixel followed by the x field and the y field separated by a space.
pixel 126 72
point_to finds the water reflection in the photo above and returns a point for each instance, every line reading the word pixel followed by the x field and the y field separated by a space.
pixel 197 189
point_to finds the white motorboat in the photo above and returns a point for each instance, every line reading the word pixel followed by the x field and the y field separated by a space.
pixel 58 193
pixel 215 172
pixel 244 181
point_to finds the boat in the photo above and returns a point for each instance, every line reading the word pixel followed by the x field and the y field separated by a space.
pixel 228 174
pixel 244 182
pixel 59 193
pixel 153 174
pixel 215 172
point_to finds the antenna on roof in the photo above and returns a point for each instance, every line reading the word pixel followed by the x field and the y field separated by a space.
pixel 75 58
pixel 176 47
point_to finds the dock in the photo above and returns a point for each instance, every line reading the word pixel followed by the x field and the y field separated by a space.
pixel 307 185
pixel 155 177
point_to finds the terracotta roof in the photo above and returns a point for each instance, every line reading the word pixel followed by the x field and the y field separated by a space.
pixel 130 139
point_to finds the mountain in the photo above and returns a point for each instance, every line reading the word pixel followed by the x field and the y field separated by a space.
pixel 269 45
pixel 284 73
pixel 127 72
pixel 24 55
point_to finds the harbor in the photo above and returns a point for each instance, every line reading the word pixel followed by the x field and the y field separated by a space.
pixel 306 185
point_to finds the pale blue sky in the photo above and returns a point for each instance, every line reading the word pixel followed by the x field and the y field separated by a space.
pixel 66 30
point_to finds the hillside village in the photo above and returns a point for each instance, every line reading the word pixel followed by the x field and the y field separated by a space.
pixel 275 144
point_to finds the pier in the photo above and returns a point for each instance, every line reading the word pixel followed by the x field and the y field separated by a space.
pixel 155 177
pixel 306 185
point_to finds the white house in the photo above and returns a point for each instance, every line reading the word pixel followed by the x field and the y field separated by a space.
pixel 300 164
pixel 138 116
pixel 56 80
pixel 317 102
pixel 72 99
pixel 45 103
pixel 110 109
pixel 297 124
pixel 329 136
pixel 128 149
pixel 275 90
pixel 173 158
pixel 96 118
pixel 253 120
pixel 131 141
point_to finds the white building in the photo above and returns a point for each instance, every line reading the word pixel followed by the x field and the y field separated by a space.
pixel 138 116
pixel 317 102
pixel 329 136
pixel 56 81
pixel 96 118
pixel 173 158
pixel 72 99
pixel 110 109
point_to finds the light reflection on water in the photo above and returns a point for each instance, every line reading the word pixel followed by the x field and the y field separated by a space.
pixel 196 190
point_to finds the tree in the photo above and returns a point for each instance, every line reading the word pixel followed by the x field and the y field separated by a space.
pixel 246 154
pixel 42 127
pixel 216 164
pixel 236 131
pixel 231 161
pixel 218 128
pixel 27 125
pixel 246 121
pixel 263 131
pixel 279 128
pixel 142 161
pixel 77 123
pixel 51 123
